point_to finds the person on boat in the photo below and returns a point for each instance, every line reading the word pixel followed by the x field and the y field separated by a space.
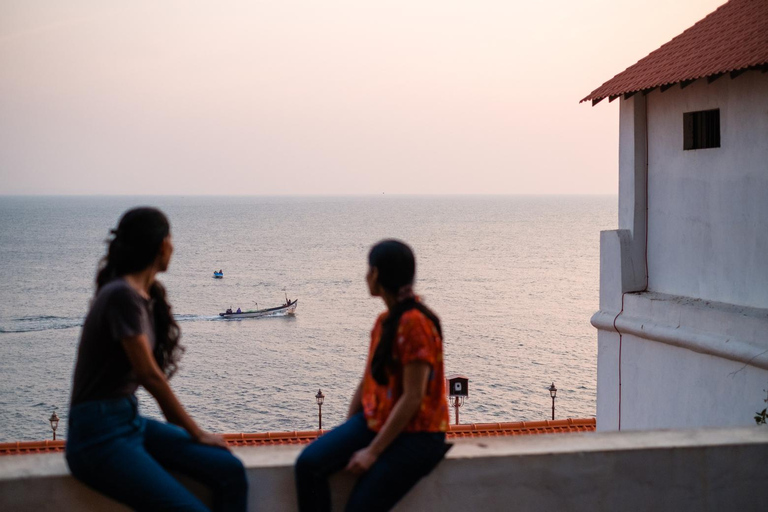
pixel 238 310
pixel 130 339
pixel 229 311
pixel 395 429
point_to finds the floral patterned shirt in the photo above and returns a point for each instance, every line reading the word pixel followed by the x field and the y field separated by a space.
pixel 417 339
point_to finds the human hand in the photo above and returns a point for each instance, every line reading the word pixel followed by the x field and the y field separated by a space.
pixel 361 461
pixel 211 440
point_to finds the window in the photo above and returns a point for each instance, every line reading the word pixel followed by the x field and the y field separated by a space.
pixel 701 129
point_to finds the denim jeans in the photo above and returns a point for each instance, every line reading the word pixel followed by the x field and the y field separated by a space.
pixel 410 457
pixel 113 449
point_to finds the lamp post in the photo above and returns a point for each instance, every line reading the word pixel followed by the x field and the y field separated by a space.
pixel 458 401
pixel 553 394
pixel 54 423
pixel 319 397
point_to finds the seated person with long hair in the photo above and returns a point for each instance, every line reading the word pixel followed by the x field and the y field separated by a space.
pixel 395 431
pixel 130 339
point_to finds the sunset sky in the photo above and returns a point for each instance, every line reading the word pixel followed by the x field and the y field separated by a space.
pixel 306 97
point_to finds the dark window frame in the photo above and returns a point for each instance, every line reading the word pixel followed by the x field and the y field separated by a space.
pixel 701 129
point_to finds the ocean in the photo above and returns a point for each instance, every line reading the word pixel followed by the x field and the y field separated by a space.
pixel 514 279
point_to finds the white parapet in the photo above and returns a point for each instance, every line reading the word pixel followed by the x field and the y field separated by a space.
pixel 717 469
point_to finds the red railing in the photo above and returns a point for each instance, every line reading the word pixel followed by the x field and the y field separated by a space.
pixel 517 428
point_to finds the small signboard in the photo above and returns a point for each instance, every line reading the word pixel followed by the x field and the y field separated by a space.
pixel 457 385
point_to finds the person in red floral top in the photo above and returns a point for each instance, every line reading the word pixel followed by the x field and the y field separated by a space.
pixel 395 430
pixel 417 341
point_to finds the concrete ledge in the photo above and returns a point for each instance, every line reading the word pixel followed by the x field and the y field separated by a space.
pixel 731 332
pixel 718 469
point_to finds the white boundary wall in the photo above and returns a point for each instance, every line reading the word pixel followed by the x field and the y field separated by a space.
pixel 719 469
pixel 694 345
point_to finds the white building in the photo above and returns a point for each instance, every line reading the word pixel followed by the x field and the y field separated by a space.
pixel 683 320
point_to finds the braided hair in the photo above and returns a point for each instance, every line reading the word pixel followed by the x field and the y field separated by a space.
pixel 133 247
pixel 396 267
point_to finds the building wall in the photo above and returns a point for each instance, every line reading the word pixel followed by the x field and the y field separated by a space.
pixel 668 387
pixel 680 363
pixel 708 208
pixel 687 346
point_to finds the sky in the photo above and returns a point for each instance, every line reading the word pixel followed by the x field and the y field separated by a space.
pixel 338 97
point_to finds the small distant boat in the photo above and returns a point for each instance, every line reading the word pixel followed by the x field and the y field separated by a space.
pixel 218 275
pixel 289 308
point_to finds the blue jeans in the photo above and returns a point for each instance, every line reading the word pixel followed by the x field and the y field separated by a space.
pixel 113 449
pixel 410 457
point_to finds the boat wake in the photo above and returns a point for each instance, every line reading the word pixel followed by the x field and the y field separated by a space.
pixel 38 323
pixel 51 323
pixel 195 318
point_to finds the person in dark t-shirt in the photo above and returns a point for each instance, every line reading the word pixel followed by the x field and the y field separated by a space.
pixel 103 370
pixel 130 339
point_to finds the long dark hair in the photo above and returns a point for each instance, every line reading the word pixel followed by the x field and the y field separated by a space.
pixel 396 267
pixel 133 246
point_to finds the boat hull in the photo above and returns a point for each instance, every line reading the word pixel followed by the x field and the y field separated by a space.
pixel 287 309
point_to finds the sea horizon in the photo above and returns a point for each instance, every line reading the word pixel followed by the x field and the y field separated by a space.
pixel 513 278
pixel 366 195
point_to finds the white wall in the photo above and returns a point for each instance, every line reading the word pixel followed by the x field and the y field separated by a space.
pixel 680 363
pixel 708 217
pixel 638 471
pixel 693 349
pixel 705 390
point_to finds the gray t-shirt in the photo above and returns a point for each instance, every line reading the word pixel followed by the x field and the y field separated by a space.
pixel 103 370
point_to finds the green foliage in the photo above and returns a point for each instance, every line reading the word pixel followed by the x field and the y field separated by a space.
pixel 760 417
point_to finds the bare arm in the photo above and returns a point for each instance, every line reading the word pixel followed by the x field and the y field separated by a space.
pixel 415 376
pixel 150 376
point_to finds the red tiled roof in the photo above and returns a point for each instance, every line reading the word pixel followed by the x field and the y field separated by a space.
pixel 522 428
pixel 29 447
pixel 473 430
pixel 272 438
pixel 732 38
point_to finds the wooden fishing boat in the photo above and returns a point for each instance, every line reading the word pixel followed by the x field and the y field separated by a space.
pixel 289 308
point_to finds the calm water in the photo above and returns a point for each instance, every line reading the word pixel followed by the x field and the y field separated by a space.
pixel 514 279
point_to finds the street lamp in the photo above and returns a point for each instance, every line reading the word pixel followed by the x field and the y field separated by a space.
pixel 553 394
pixel 54 423
pixel 319 397
pixel 458 401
